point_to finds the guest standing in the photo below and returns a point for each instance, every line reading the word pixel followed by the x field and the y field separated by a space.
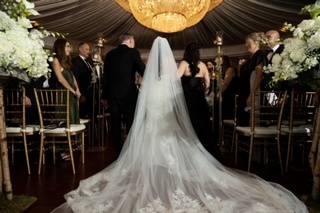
pixel 275 47
pixel 82 69
pixel 274 44
pixel 196 82
pixel 210 68
pixel 229 88
pixel 65 78
pixel 251 75
pixel 119 89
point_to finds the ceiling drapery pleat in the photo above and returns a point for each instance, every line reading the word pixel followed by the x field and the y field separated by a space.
pixel 86 19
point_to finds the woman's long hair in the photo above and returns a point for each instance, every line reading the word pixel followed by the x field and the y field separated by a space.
pixel 192 56
pixel 226 64
pixel 59 52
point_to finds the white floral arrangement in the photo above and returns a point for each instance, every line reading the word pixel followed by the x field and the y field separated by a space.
pixel 302 51
pixel 22 46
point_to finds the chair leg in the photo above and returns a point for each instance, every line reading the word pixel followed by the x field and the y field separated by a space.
pixel 279 154
pixel 250 152
pixel 1 176
pixel 288 152
pixel 103 133
pixel 222 136
pixel 89 132
pixel 71 153
pixel 236 149
pixel 26 152
pixel 54 153
pixel 82 147
pixel 12 153
pixel 41 153
pixel 303 154
pixel 233 138
pixel 44 157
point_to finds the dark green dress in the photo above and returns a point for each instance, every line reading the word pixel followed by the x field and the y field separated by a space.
pixel 73 100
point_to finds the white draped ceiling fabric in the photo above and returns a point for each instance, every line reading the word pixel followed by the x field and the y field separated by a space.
pixel 85 20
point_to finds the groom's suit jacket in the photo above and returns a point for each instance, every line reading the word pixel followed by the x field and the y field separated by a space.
pixel 279 50
pixel 120 67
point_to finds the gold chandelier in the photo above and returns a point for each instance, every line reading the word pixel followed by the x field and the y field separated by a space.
pixel 169 15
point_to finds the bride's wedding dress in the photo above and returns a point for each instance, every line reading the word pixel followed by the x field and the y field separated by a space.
pixel 163 168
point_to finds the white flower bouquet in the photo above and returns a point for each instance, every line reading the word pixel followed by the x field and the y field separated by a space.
pixel 22 53
pixel 300 59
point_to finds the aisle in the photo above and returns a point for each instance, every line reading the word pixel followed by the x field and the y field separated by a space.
pixel 56 180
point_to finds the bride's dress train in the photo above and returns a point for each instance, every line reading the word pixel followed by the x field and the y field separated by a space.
pixel 163 168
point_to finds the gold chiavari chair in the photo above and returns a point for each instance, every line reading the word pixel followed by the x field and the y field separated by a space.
pixel 87 123
pixel 265 123
pixel 15 112
pixel 301 118
pixel 54 109
pixel 230 124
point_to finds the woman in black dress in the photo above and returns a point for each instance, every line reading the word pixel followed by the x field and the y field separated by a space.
pixel 251 74
pixel 65 78
pixel 229 88
pixel 196 82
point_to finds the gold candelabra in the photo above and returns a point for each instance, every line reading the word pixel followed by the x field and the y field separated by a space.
pixel 218 76
pixel 98 118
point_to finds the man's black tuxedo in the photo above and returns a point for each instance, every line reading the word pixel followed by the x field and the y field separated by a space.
pixel 267 78
pixel 120 67
pixel 119 88
pixel 279 50
pixel 83 72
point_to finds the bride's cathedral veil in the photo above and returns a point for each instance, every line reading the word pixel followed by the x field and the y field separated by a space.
pixel 163 167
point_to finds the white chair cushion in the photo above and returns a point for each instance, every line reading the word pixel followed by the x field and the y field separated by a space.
pixel 62 130
pixel 84 121
pixel 258 131
pixel 303 129
pixel 17 130
pixel 228 122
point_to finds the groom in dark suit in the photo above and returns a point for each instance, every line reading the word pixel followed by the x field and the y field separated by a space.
pixel 119 89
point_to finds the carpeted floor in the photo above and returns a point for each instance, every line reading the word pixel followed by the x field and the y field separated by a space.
pixel 18 204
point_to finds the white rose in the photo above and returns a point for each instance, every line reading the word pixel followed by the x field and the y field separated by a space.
pixel 311 62
pixel 24 22
pixel 6 23
pixel 317 23
pixel 276 59
pixel 292 44
pixel 298 55
pixel 314 41
pixel 298 33
pixel 307 25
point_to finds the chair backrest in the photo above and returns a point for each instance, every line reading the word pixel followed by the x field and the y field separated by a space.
pixel 302 108
pixel 15 111
pixel 53 107
pixel 267 109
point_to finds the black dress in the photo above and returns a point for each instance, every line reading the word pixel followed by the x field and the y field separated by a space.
pixel 228 96
pixel 258 58
pixel 198 108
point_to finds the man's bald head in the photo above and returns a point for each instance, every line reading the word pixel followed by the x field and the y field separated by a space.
pixel 273 38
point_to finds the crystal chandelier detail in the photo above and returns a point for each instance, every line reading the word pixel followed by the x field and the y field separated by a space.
pixel 169 16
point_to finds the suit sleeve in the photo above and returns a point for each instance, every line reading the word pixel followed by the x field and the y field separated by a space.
pixel 79 75
pixel 138 63
pixel 104 94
